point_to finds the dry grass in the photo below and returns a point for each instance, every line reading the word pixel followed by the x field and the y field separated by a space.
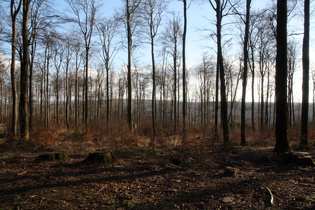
pixel 117 137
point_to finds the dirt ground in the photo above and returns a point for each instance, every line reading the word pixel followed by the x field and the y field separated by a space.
pixel 161 180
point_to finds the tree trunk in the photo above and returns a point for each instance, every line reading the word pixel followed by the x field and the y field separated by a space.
pixel 253 86
pixel 86 86
pixel 175 86
pixel 76 90
pixel 216 106
pixel 244 84
pixel 129 73
pixel 153 111
pixel 224 115
pixel 47 101
pixel 24 113
pixel 282 142
pixel 305 85
pixel 31 106
pixel 184 72
pixel 15 108
pixel 108 108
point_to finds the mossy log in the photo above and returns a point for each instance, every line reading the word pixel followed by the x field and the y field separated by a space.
pixel 101 157
pixel 52 156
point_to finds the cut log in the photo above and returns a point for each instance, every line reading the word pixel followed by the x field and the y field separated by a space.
pixel 52 156
pixel 100 157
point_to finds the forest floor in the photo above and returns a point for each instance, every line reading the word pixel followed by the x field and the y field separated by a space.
pixel 165 179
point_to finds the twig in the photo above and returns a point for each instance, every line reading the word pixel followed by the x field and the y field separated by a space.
pixel 271 201
pixel 101 189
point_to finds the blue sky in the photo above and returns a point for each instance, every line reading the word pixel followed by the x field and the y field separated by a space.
pixel 200 16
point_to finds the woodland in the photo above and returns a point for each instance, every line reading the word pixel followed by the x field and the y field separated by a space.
pixel 227 133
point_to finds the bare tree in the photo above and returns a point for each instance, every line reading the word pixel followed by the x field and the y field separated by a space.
pixel 78 60
pixel 15 8
pixel 69 51
pixel 152 12
pixel 306 66
pixel 58 52
pixel 85 13
pixel 48 43
pixel 108 29
pixel 232 82
pixel 131 7
pixel 219 6
pixel 245 72
pixel 184 71
pixel 292 65
pixel 173 36
pixel 23 106
pixel 164 82
pixel 41 18
pixel 205 70
pixel 282 141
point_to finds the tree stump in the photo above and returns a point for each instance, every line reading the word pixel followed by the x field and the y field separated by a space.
pixel 100 157
pixel 52 156
pixel 230 171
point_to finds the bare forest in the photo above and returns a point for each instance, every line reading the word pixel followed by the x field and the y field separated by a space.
pixel 106 107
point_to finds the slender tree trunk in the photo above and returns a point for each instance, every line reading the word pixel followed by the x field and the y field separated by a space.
pixel 224 115
pixel 15 107
pixel 266 122
pixel 305 85
pixel 175 86
pixel 24 113
pixel 86 87
pixel 184 72
pixel 129 73
pixel 216 106
pixel 47 101
pixel 253 86
pixel 42 90
pixel 108 108
pixel 244 84
pixel 67 90
pixel 262 101
pixel 31 103
pixel 153 111
pixel 57 98
pixel 76 90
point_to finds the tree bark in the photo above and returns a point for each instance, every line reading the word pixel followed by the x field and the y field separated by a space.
pixel 15 109
pixel 244 84
pixel 184 71
pixel 23 106
pixel 282 141
pixel 129 73
pixel 305 85
pixel 130 9
pixel 219 7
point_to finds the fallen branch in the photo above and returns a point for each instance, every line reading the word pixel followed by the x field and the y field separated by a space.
pixel 270 202
pixel 101 189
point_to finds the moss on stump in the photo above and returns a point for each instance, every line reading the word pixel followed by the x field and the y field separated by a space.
pixel 100 157
pixel 52 156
